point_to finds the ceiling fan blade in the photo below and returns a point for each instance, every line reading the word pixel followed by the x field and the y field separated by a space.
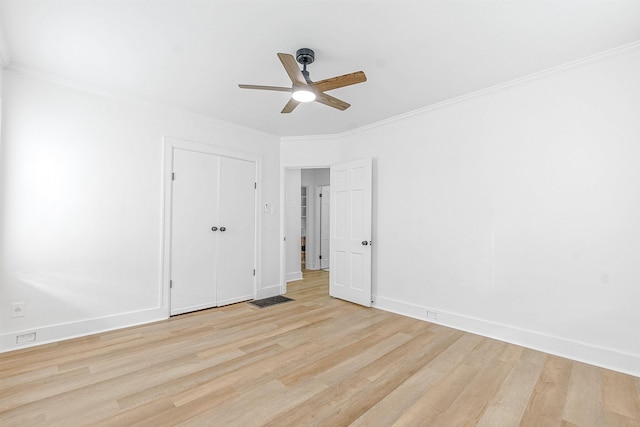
pixel 277 88
pixel 291 105
pixel 329 100
pixel 340 81
pixel 292 69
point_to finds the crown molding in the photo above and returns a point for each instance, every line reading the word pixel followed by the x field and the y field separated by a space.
pixel 5 61
pixel 462 98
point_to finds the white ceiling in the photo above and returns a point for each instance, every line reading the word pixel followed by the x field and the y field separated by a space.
pixel 191 54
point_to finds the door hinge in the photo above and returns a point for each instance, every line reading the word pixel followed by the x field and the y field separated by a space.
pixel 320 256
pixel 173 176
pixel 170 284
pixel 255 185
pixel 254 271
pixel 320 194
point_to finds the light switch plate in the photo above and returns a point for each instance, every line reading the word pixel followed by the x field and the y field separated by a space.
pixel 17 309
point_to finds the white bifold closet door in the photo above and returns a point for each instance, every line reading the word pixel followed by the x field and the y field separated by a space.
pixel 212 231
pixel 235 278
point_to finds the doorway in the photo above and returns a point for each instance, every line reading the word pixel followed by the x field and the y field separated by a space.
pixel 304 228
pixel 350 227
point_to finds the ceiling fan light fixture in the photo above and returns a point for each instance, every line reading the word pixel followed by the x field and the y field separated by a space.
pixel 303 95
pixel 302 89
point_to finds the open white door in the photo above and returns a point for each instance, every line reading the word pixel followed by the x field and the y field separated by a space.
pixel 350 229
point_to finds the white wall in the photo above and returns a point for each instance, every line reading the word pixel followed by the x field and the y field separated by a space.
pixel 292 225
pixel 515 213
pixel 82 212
pixel 309 153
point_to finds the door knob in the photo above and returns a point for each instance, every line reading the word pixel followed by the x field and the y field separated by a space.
pixel 365 243
pixel 214 228
pixel 223 228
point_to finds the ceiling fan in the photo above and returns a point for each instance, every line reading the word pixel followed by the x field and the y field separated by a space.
pixel 303 89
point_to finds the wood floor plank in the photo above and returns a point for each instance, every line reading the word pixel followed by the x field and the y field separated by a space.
pixel 137 414
pixel 178 384
pixel 618 394
pixel 471 403
pixel 547 401
pixel 389 409
pixel 337 372
pixel 316 360
pixel 439 398
pixel 43 388
pixel 510 401
pixel 583 406
pixel 346 401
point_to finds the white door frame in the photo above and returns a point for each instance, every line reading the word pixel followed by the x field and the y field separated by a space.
pixel 170 144
pixel 283 249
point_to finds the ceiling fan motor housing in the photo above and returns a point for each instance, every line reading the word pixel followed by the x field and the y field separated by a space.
pixel 305 56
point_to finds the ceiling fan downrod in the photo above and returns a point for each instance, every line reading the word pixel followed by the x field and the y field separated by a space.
pixel 305 57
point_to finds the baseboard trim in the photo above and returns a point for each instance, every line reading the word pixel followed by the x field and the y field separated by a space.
pixel 292 277
pixel 193 308
pixel 582 352
pixel 235 300
pixel 270 291
pixel 66 331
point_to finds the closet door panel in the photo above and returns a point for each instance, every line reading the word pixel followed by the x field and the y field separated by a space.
pixel 194 246
pixel 236 263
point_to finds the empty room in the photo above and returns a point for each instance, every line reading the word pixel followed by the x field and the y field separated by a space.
pixel 319 213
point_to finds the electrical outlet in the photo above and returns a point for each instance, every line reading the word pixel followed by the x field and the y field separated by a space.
pixel 31 336
pixel 432 315
pixel 17 309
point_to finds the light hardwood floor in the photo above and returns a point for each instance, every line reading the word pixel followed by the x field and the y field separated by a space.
pixel 315 361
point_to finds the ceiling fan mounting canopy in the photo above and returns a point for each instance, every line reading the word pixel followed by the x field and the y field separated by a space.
pixel 305 56
pixel 303 89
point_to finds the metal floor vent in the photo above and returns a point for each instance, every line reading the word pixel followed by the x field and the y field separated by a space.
pixel 266 302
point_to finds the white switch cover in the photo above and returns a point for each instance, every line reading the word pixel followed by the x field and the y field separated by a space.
pixel 17 309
